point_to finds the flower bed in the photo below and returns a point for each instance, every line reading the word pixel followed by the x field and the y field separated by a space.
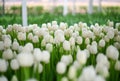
pixel 58 52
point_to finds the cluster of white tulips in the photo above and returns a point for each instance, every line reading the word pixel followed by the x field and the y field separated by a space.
pixel 58 52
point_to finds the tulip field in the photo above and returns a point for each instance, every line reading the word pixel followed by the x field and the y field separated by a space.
pixel 60 52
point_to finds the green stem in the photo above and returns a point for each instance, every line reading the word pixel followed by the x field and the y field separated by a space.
pixel 26 73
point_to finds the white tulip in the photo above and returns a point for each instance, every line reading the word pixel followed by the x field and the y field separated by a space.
pixel 67 59
pixel 87 41
pixel 49 47
pixel 21 36
pixel 32 79
pixel 117 45
pixel 7 54
pixel 72 41
pixel 44 25
pixel 81 57
pixel 45 57
pixel 117 66
pixel 30 36
pixel 93 49
pixel 37 54
pixel 1 45
pixel 72 73
pixel 102 70
pixel 14 78
pixel 54 22
pixel 35 39
pixel 112 52
pixel 64 79
pixel 99 78
pixel 66 45
pixel 79 40
pixel 14 64
pixel 25 59
pixel 40 68
pixel 110 34
pixel 102 59
pixel 3 65
pixel 28 48
pixel 61 68
pixel 102 43
pixel 15 45
pixel 62 26
pixel 88 74
pixel 7 42
pixel 3 78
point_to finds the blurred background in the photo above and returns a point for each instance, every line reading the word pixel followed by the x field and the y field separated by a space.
pixel 70 11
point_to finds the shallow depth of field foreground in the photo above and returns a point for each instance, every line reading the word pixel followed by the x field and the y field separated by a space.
pixel 59 52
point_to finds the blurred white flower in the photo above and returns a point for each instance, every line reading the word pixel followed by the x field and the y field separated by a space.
pixel 62 26
pixel 20 49
pixel 72 72
pixel 43 43
pixel 59 37
pixel 37 54
pixel 21 36
pixel 14 78
pixel 110 34
pixel 112 52
pixel 7 42
pixel 117 25
pixel 99 78
pixel 102 43
pixel 32 79
pixel 7 54
pixel 61 68
pixel 25 59
pixel 93 49
pixel 117 38
pixel 49 47
pixel 106 38
pixel 64 79
pixel 45 57
pixel 81 57
pixel 87 33
pixel 15 45
pixel 97 30
pixel 44 25
pixel 87 41
pixel 102 59
pixel 67 59
pixel 1 45
pixel 76 64
pixel 14 64
pixel 30 36
pixel 72 41
pixel 75 34
pixel 110 23
pixel 28 48
pixel 88 74
pixel 66 45
pixel 3 65
pixel 117 65
pixel 79 40
pixel 102 70
pixel 49 26
pixel 35 39
pixel 54 22
pixel 117 45
pixel 40 68
pixel 3 78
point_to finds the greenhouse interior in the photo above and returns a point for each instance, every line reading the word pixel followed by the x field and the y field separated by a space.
pixel 59 40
